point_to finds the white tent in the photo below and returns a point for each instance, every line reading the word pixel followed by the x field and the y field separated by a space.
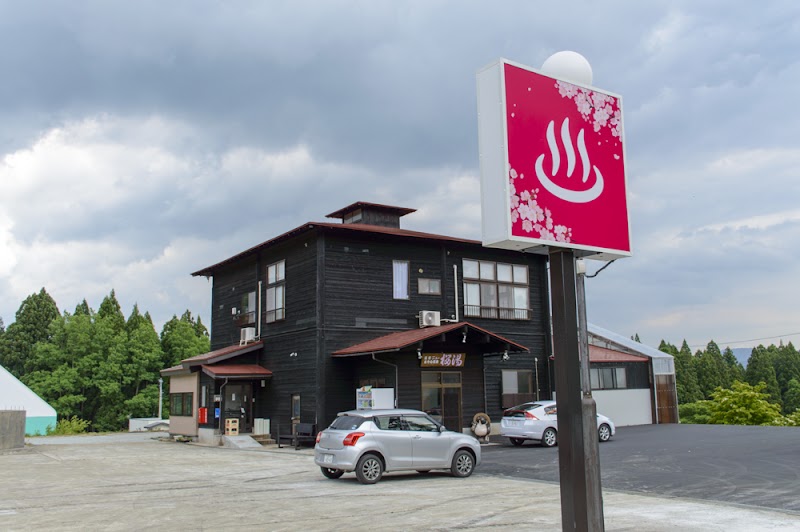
pixel 16 396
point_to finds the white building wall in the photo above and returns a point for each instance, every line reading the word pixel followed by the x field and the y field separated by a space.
pixel 625 407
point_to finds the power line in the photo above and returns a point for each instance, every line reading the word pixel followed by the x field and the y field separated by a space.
pixel 750 340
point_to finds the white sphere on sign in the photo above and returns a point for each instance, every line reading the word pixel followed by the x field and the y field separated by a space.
pixel 569 66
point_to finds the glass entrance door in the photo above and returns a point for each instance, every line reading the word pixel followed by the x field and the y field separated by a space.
pixel 238 405
pixel 441 397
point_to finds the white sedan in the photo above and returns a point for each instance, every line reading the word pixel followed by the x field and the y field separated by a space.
pixel 537 421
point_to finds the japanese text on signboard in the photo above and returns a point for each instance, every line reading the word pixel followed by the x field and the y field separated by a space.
pixel 443 360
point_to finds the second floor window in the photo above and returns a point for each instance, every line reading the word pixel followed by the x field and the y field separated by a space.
pixel 276 291
pixel 495 290
pixel 400 279
pixel 429 286
pixel 246 314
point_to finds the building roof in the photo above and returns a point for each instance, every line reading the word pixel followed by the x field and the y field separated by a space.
pixel 601 354
pixel 627 343
pixel 399 340
pixel 212 357
pixel 399 211
pixel 237 371
pixel 14 395
pixel 354 228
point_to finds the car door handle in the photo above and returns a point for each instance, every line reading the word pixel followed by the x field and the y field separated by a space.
pixel 416 437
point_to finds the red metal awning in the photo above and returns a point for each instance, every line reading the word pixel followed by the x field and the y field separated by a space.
pixel 602 354
pixel 399 340
pixel 237 371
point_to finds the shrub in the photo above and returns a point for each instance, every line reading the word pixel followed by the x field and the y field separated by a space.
pixel 67 426
pixel 697 412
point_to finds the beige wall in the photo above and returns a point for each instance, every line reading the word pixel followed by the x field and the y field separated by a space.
pixel 185 425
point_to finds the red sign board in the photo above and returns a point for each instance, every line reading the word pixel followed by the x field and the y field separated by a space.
pixel 202 415
pixel 552 163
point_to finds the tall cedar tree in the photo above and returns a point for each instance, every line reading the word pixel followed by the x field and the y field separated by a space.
pixel 786 361
pixel 711 371
pixel 760 369
pixel 31 326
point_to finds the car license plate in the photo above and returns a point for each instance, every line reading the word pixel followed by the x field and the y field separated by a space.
pixel 327 458
pixel 514 423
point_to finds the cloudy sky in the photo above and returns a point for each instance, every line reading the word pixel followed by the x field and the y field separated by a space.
pixel 141 141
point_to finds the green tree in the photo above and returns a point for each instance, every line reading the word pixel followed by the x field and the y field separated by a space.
pixel 710 370
pixel 734 369
pixel 685 375
pixel 57 378
pixel 743 404
pixel 791 399
pixel 2 327
pixel 144 353
pixel 760 369
pixel 106 364
pixel 786 361
pixel 32 324
pixel 696 413
pixel 183 338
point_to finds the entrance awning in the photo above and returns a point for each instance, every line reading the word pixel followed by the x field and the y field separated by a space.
pixel 237 371
pixel 212 357
pixel 401 340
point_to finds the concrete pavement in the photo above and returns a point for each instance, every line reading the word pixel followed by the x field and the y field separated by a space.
pixel 63 484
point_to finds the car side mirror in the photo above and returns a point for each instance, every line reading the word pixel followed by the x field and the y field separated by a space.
pixel 442 428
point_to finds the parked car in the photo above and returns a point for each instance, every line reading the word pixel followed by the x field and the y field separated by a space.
pixel 371 442
pixel 537 421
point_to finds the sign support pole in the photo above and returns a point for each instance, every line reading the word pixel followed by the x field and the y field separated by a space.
pixel 578 452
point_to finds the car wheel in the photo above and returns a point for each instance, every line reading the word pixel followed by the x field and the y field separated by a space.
pixel 332 473
pixel 549 437
pixel 463 464
pixel 517 441
pixel 369 469
pixel 604 432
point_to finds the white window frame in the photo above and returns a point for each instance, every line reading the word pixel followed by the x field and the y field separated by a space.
pixel 276 292
pixel 428 290
pixel 400 279
pixel 488 283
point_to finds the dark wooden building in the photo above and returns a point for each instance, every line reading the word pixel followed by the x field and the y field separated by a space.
pixel 301 321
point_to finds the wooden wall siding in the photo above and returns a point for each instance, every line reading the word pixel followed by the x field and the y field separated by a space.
pixel 227 291
pixel 379 218
pixel 290 375
pixel 666 399
pixel 231 283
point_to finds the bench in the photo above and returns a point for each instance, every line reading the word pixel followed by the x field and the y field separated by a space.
pixel 303 433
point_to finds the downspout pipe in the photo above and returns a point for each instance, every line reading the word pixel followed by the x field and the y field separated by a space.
pixel 396 378
pixel 455 287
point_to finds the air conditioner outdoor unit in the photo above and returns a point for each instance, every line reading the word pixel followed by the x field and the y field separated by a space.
pixel 429 318
pixel 248 334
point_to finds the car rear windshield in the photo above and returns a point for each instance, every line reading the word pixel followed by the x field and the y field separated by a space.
pixel 347 422
pixel 519 410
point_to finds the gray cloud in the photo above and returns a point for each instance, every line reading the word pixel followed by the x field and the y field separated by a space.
pixel 166 136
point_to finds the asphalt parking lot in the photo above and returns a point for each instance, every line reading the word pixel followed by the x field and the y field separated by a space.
pixel 757 466
pixel 138 483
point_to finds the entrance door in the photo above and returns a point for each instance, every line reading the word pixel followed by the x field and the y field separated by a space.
pixel 441 397
pixel 238 405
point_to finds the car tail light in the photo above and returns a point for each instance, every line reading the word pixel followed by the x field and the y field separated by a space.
pixel 352 438
pixel 528 415
pixel 319 435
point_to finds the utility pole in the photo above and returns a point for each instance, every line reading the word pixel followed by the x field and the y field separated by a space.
pixel 160 396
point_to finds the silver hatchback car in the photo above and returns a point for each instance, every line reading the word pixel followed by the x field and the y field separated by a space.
pixel 371 442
